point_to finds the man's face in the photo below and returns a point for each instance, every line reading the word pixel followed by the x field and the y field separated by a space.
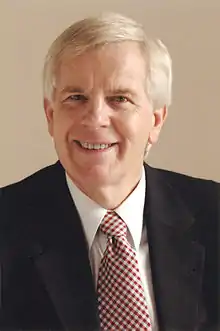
pixel 100 118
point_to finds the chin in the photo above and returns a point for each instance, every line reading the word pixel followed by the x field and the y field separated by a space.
pixel 92 174
pixel 98 175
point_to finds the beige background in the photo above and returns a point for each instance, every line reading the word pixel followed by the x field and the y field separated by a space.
pixel 191 29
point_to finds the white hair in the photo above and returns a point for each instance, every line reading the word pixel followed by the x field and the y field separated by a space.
pixel 107 28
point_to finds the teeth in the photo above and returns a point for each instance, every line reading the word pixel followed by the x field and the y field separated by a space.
pixel 94 146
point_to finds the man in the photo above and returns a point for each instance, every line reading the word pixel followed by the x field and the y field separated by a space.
pixel 101 240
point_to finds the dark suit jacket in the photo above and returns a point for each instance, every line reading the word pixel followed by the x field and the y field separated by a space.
pixel 46 281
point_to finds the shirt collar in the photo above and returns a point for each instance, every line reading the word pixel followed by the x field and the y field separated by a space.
pixel 91 213
pixel 131 210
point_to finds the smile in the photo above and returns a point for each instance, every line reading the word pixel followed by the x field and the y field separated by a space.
pixel 91 146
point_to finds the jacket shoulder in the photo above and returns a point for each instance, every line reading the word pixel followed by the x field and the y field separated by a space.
pixel 16 199
pixel 30 183
pixel 198 194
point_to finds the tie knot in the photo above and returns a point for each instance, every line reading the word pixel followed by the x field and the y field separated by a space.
pixel 112 225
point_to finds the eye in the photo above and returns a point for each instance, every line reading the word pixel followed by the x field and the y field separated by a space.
pixel 76 97
pixel 119 99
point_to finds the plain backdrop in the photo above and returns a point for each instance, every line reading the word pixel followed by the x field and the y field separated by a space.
pixel 190 139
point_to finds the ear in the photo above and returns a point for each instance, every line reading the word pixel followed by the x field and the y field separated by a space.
pixel 158 119
pixel 49 112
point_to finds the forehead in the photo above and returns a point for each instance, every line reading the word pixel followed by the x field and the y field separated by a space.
pixel 116 63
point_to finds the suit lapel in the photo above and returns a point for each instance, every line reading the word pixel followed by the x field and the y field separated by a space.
pixel 176 258
pixel 61 257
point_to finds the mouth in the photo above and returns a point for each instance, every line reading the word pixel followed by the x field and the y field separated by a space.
pixel 94 146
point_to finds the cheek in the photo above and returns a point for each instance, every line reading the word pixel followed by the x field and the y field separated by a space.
pixel 136 130
pixel 62 125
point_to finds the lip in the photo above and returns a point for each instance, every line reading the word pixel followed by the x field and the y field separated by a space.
pixel 94 151
pixel 96 142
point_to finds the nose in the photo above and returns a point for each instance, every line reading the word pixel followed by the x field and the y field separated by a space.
pixel 96 114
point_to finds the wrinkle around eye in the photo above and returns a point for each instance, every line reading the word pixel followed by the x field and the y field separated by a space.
pixel 124 102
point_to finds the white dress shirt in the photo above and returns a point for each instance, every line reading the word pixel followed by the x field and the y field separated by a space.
pixel 131 211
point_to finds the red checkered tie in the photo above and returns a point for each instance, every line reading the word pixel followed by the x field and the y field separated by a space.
pixel 121 300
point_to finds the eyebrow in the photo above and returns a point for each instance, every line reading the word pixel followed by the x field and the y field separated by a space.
pixel 72 89
pixel 123 91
